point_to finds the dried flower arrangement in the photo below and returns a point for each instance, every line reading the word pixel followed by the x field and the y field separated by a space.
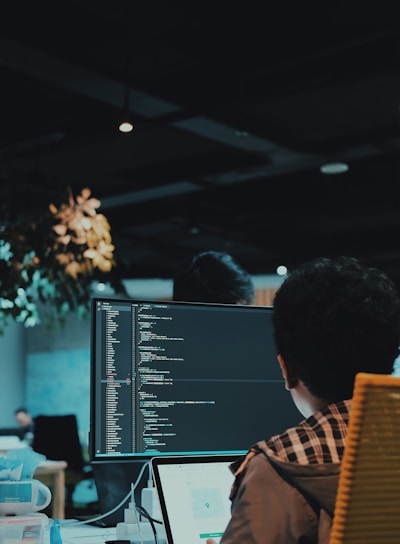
pixel 53 256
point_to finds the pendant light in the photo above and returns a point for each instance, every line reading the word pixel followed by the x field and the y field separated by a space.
pixel 126 124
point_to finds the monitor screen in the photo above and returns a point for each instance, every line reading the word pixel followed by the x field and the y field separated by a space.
pixel 176 377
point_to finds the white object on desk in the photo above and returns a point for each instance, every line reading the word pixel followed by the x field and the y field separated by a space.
pixel 75 533
pixel 15 529
pixel 11 442
pixel 51 473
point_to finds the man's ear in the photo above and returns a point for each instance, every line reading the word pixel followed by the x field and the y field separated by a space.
pixel 288 373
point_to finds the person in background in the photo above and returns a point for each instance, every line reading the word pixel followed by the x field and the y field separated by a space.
pixel 213 276
pixel 332 319
pixel 26 422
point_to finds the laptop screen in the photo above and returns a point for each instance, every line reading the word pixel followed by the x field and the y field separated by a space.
pixel 194 496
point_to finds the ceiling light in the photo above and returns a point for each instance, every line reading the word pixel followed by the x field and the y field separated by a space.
pixel 101 286
pixel 281 270
pixel 126 126
pixel 334 168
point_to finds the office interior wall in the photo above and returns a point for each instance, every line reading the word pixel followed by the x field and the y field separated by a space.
pixel 12 382
pixel 49 372
pixel 58 383
pixel 58 372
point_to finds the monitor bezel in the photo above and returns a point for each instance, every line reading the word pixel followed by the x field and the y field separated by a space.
pixel 147 456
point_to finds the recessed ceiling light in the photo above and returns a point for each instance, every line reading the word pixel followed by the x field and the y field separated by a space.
pixel 334 168
pixel 126 126
pixel 281 270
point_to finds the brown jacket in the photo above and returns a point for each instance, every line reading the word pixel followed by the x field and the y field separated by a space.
pixel 275 502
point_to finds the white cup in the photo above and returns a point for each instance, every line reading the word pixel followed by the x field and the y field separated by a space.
pixel 22 497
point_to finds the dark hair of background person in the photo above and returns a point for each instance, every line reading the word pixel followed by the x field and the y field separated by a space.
pixel 23 416
pixel 21 409
pixel 334 318
pixel 213 276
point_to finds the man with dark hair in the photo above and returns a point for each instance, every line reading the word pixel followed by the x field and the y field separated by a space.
pixel 332 319
pixel 213 276
pixel 24 418
pixel 26 422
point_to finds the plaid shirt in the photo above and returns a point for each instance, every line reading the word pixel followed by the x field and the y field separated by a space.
pixel 316 440
pixel 311 454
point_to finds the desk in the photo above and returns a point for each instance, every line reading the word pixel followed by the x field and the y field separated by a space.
pixel 52 474
pixel 78 533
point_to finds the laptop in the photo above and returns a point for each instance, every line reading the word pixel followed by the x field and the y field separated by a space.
pixel 193 492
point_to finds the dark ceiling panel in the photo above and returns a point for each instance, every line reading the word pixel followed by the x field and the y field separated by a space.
pixel 235 112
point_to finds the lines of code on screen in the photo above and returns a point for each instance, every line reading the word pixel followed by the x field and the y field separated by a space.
pixel 184 378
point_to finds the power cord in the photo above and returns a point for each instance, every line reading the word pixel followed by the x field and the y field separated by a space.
pixel 151 520
pixel 123 501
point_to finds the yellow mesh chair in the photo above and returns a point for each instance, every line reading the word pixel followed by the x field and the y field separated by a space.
pixel 367 509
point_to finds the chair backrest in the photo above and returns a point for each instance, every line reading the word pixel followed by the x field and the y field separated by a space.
pixel 367 509
pixel 57 438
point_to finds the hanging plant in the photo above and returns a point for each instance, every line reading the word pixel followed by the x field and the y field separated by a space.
pixel 52 256
pixel 82 236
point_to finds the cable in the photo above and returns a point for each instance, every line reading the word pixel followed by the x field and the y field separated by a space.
pixel 123 501
pixel 144 513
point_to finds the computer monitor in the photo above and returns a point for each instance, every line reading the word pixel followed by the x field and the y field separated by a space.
pixel 183 378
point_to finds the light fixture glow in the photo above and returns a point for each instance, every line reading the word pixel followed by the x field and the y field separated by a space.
pixel 125 126
pixel 334 168
pixel 281 270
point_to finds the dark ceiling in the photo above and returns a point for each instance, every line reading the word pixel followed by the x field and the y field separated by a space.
pixel 235 107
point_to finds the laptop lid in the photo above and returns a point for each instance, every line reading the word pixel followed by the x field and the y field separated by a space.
pixel 194 492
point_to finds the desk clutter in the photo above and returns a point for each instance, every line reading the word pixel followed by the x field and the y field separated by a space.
pixel 21 498
pixel 28 528
pixel 65 468
pixel 10 442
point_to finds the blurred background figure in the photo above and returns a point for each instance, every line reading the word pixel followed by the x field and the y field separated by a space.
pixel 27 424
pixel 213 276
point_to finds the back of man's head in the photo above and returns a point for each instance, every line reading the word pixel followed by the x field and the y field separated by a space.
pixel 334 318
pixel 23 416
pixel 213 276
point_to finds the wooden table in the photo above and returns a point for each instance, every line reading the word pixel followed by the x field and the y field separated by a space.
pixel 52 474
